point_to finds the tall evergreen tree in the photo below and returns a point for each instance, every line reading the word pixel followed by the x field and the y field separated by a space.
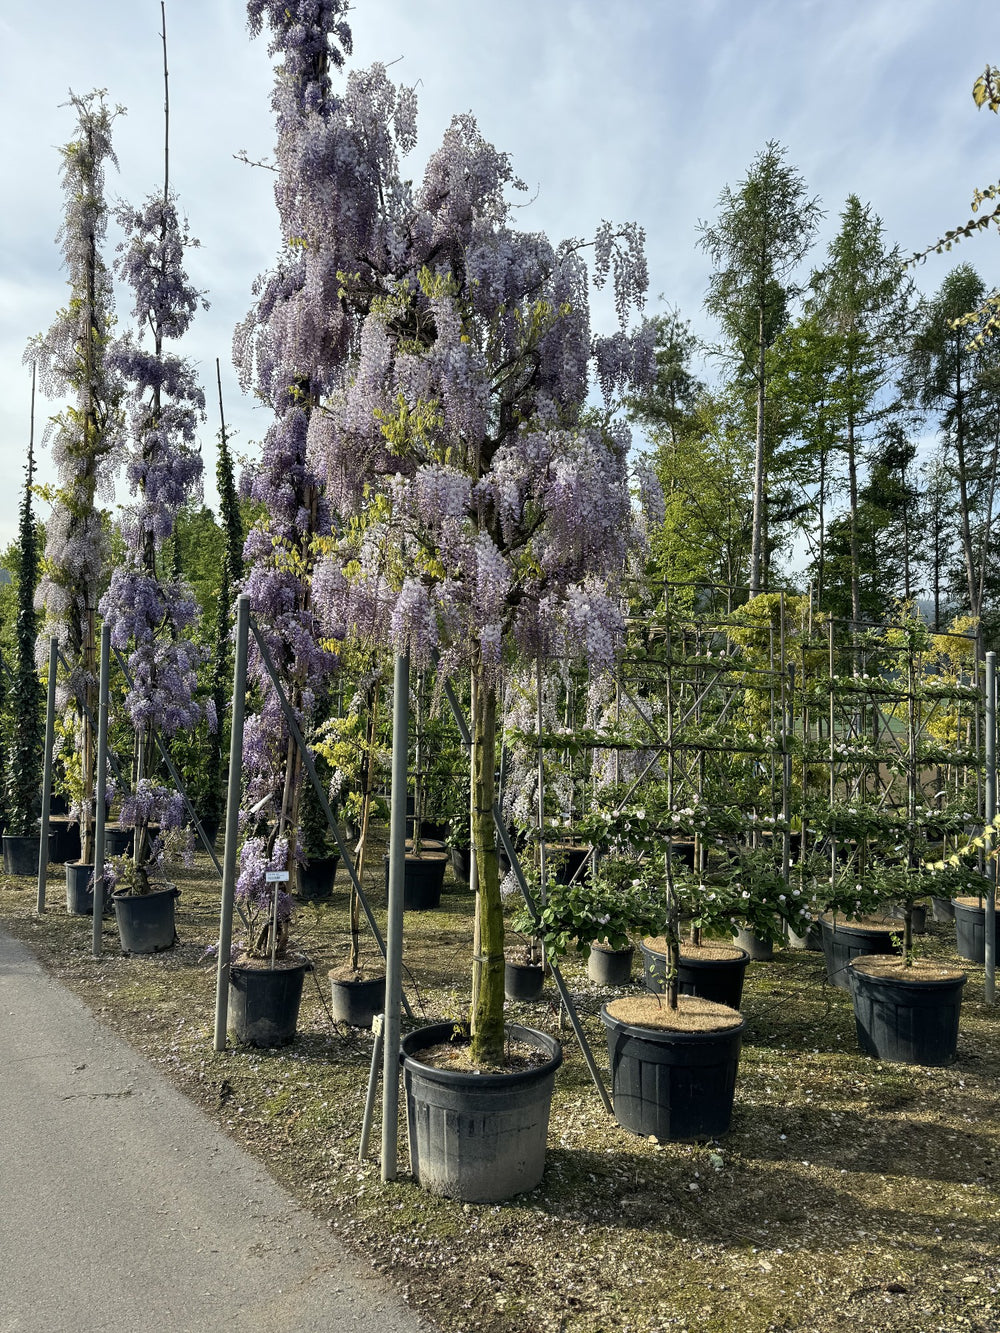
pixel 862 298
pixel 762 233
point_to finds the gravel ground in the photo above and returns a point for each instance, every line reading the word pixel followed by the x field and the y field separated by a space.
pixel 849 1194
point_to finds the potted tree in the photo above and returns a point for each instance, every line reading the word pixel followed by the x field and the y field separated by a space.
pixel 906 1008
pixel 266 976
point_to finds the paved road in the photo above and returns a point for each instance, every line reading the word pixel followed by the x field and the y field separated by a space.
pixel 123 1208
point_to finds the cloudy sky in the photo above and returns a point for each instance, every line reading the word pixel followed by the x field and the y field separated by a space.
pixel 637 109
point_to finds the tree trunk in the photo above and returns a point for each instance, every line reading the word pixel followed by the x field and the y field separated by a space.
pixel 852 476
pixel 487 1014
pixel 757 537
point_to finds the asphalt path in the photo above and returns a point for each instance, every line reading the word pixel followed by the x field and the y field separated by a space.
pixel 123 1207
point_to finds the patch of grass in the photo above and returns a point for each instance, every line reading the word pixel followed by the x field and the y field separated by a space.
pixel 849 1194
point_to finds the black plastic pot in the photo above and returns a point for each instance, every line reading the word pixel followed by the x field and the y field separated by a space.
pixel 910 1020
pixel 316 880
pixel 79 888
pixel 118 841
pixel 264 1003
pixel 718 979
pixel 673 1085
pixel 610 967
pixel 461 863
pixel 758 948
pixel 942 911
pixel 477 1137
pixel 146 920
pixel 422 882
pixel 811 940
pixel 919 919
pixel 568 863
pixel 844 942
pixel 523 981
pixel 64 839
pixel 357 1002
pixel 20 854
pixel 970 931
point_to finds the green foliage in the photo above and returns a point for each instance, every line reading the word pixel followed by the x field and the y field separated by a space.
pixel 24 695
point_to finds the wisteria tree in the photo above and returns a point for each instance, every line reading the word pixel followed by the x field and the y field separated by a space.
pixel 149 609
pixel 333 154
pixel 489 504
pixel 72 359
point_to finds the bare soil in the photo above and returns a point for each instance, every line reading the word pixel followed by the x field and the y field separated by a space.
pixel 849 1194
pixel 691 1015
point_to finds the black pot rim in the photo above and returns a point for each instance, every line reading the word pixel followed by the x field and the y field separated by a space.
pixel 908 984
pixel 606 948
pixel 686 960
pixel 304 965
pixel 352 983
pixel 122 895
pixel 669 1036
pixel 845 928
pixel 436 1033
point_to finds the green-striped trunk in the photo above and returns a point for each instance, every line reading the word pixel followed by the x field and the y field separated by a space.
pixel 487 1013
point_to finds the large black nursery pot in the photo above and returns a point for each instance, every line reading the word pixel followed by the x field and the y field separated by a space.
pixel 970 929
pixel 356 1000
pixel 610 967
pixel 423 879
pixel 478 1137
pixel 146 920
pixel 758 948
pixel 673 1083
pixel 20 854
pixel 906 1014
pixel 843 941
pixel 316 879
pixel 264 1001
pixel 713 971
pixel 118 841
pixel 64 839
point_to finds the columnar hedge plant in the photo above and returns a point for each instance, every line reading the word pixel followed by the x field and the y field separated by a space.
pixel 72 359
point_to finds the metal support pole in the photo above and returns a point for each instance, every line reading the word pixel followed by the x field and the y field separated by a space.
pixel 309 765
pixel 991 810
pixel 394 925
pixel 232 821
pixel 100 804
pixel 50 733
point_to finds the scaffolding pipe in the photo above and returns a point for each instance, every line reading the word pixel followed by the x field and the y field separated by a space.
pixel 394 926
pixel 100 794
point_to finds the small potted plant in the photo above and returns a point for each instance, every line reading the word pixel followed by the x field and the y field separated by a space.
pixel 142 895
pixel 266 976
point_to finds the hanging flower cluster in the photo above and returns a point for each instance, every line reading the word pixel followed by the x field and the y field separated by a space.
pixel 334 151
pixel 150 612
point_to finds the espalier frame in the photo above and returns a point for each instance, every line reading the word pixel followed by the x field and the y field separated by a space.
pixel 773 725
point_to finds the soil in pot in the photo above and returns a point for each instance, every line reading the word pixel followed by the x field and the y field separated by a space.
pixel 906 1014
pixel 609 967
pixel 673 1072
pixel 356 996
pixel 970 930
pixel 264 1001
pixel 712 971
pixel 146 920
pixel 568 862
pixel 477 1135
pixel 844 940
